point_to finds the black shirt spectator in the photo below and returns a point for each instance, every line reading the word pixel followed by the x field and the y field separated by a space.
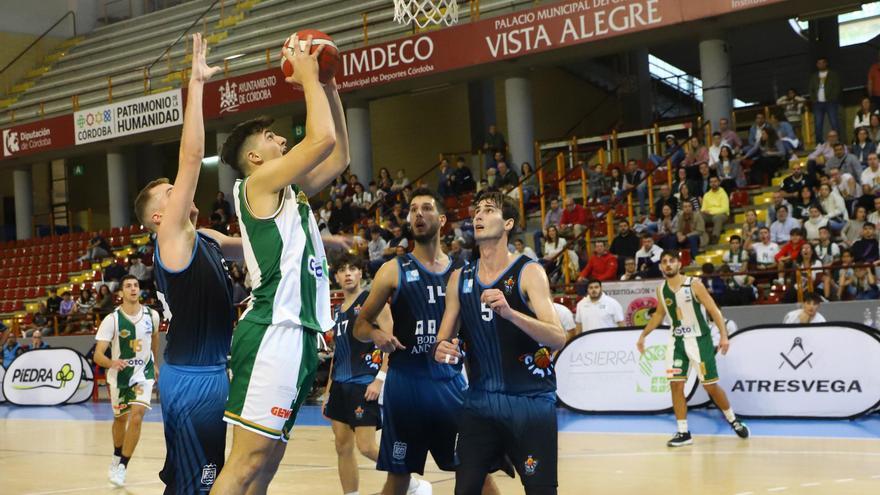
pixel 793 184
pixel 217 222
pixel 866 249
pixel 53 303
pixel 114 272
pixel 626 243
pixel 666 198
pixel 222 206
pixel 506 177
pixel 495 141
pixel 463 178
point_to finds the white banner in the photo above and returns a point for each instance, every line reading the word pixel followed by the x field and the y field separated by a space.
pixel 828 370
pixel 601 371
pixel 636 298
pixel 47 377
pixel 147 113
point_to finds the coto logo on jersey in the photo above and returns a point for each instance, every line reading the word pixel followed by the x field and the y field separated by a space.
pixel 373 359
pixel 316 267
pixel 540 363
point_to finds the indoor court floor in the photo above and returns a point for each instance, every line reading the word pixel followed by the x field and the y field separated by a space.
pixel 67 450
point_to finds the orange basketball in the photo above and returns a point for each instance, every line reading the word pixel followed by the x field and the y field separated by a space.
pixel 327 61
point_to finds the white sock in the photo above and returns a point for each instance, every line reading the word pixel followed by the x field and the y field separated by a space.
pixel 682 425
pixel 728 413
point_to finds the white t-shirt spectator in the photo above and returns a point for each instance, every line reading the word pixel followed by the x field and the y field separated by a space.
pixel 375 248
pixel 653 255
pixel 565 317
pixel 551 250
pixel 795 317
pixel 604 313
pixel 765 254
pixel 869 176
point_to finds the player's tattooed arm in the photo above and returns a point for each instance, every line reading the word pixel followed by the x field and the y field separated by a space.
pixel 336 163
pixel 706 299
pixel 367 327
pixel 545 328
pixel 653 323
pixel 447 349
pixel 231 246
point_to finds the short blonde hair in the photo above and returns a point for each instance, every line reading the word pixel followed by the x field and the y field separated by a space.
pixel 143 201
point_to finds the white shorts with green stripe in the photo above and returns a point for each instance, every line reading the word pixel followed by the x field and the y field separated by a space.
pixel 273 370
pixel 123 398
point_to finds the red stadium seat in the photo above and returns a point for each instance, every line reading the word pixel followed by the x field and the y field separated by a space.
pixel 739 199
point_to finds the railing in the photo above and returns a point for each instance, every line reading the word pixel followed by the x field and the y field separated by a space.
pixel 7 78
pixel 109 7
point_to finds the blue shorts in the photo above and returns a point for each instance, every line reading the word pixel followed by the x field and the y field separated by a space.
pixel 193 399
pixel 419 415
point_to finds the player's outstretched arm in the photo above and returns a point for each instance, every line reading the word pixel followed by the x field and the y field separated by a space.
pixel 338 160
pixel 176 232
pixel 320 140
pixel 231 246
pixel 546 328
pixel 706 300
pixel 447 350
pixel 367 327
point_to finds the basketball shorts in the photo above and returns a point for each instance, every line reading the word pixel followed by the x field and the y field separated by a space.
pixel 273 370
pixel 347 404
pixel 193 398
pixel 121 398
pixel 419 416
pixel 495 425
pixel 684 351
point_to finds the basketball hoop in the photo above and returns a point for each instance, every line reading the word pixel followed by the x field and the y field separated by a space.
pixel 423 13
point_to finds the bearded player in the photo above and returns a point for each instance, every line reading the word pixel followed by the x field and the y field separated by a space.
pixel 687 303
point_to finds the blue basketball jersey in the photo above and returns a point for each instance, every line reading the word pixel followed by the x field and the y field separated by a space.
pixel 198 302
pixel 353 361
pixel 501 357
pixel 417 307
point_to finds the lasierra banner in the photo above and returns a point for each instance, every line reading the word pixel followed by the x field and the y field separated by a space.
pixel 48 377
pixel 144 114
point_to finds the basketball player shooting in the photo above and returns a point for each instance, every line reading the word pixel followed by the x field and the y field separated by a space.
pixel 274 349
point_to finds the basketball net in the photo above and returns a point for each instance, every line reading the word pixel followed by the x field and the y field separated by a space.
pixel 424 13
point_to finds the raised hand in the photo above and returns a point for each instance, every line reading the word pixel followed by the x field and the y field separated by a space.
pixel 303 60
pixel 201 72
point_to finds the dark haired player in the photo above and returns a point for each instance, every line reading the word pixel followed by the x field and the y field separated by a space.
pixel 422 399
pixel 687 303
pixel 502 310
pixel 356 376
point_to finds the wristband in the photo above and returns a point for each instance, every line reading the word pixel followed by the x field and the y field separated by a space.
pixel 380 376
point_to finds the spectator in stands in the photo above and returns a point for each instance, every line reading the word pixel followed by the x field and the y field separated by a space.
pixel 827 251
pixel 648 257
pixel 492 178
pixel 729 170
pixel 800 206
pixel 465 229
pixel 685 196
pixel 602 265
pixel 625 244
pixel 792 185
pixel 217 222
pixel 846 186
pixel 680 180
pixel 816 221
pixel 847 162
pixel 37 341
pixel 789 253
pixel 870 178
pixel 750 229
pixel 398 239
pixel 360 201
pixel 222 207
pixel 566 319
pixel 665 228
pixel 376 249
pixel 715 150
pixel 458 252
pixel 778 200
pixel 825 94
pixel 616 181
pixel 98 248
pixel 53 302
pixel 690 229
pixel 483 185
pixel 857 283
pixel 529 182
pixel 833 206
pixel 865 250
pixel 713 283
pixel 765 250
pixel 863 115
pixel 324 213
pixel 729 136
pixel 597 309
pixel 665 199
pixel 67 306
pixel 137 268
pixel 737 260
pixel 340 217
pixel 553 247
pixel 697 154
pixel 520 248
pixel 809 313
pixel 463 178
pixel 495 142
pixel 716 208
pixel 400 182
pixel 861 148
pixel 598 184
pixel 635 181
pixel 506 176
pixel 785 132
pixel 239 284
pixel 853 229
pixel 397 217
pixel 104 304
pixel 793 105
pixel 874 129
pixel 780 230
pixel 823 152
pixel 445 179
pixel 700 184
pixel 574 219
pixel 12 348
pixel 115 271
pixel 769 155
pixel 755 134
pixel 629 270
pixel 674 153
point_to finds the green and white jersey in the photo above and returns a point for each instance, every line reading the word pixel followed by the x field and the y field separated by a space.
pixel 286 261
pixel 686 314
pixel 131 340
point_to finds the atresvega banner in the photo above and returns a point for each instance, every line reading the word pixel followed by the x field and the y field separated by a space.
pixel 48 377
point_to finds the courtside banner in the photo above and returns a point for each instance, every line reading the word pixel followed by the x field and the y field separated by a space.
pixel 826 370
pixel 35 137
pixel 144 114
pixel 601 371
pixel 46 377
pixel 635 297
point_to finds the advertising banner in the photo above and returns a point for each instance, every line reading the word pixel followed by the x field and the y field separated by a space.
pixel 2 374
pixel 48 377
pixel 144 114
pixel 34 137
pixel 601 371
pixel 636 298
pixel 827 370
